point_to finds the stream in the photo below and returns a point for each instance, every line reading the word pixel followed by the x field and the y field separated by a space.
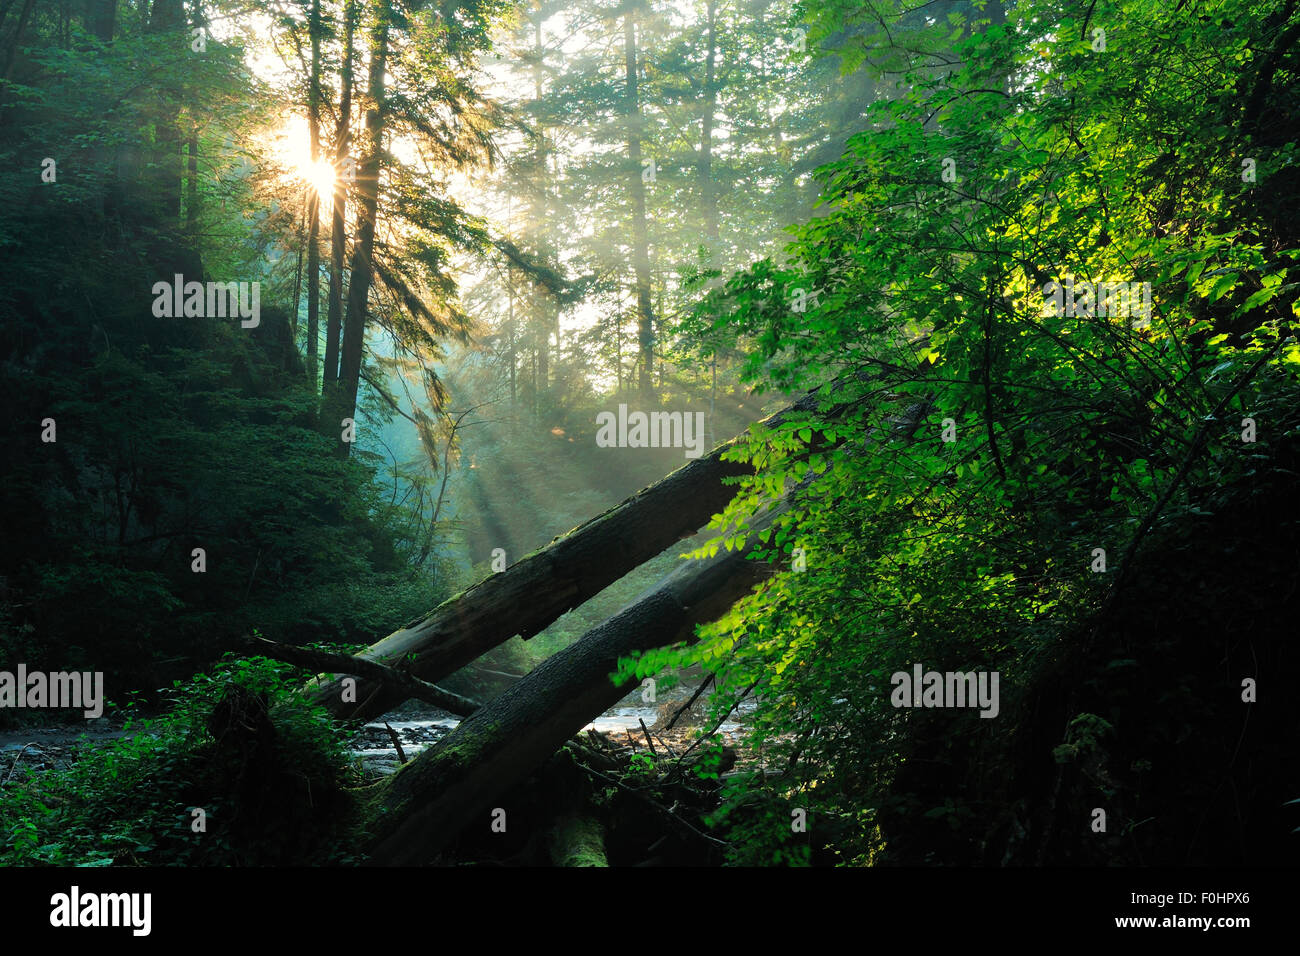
pixel 418 730
pixel 40 748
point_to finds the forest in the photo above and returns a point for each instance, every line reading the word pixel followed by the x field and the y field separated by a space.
pixel 656 433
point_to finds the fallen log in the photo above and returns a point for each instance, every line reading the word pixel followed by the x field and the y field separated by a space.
pixel 541 586
pixel 401 682
pixel 422 807
pixel 577 841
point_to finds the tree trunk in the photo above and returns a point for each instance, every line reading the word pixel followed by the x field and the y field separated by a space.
pixel 313 232
pixel 168 15
pixel 11 53
pixel 545 314
pixel 537 589
pixel 708 192
pixel 192 179
pixel 103 18
pixel 338 224
pixel 541 338
pixel 577 840
pixel 511 347
pixel 422 807
pixel 354 326
pixel 640 244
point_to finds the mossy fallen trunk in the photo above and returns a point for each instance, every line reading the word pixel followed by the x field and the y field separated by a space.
pixel 424 806
pixel 577 841
pixel 455 783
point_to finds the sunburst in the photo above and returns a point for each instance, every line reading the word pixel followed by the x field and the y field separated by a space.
pixel 293 150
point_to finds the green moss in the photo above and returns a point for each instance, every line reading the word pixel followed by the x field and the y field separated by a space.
pixel 578 841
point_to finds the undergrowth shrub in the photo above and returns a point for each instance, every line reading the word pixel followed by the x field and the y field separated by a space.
pixel 268 769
